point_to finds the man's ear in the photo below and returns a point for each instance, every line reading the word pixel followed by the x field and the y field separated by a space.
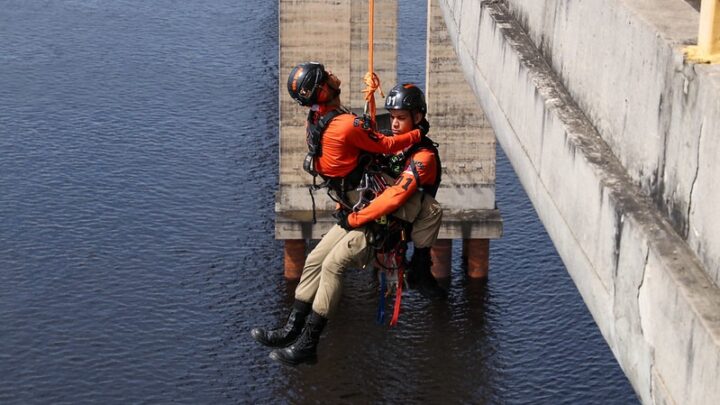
pixel 417 117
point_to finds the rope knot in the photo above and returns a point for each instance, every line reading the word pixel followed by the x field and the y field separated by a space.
pixel 372 81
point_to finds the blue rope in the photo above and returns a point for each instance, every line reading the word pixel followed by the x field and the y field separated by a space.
pixel 380 319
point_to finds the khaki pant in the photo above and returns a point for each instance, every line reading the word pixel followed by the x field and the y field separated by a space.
pixel 425 213
pixel 321 281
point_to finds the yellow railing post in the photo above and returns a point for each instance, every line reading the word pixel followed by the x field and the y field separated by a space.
pixel 708 47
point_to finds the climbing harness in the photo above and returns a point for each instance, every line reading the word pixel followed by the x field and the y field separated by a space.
pixel 313 138
pixel 372 184
pixel 396 163
pixel 365 179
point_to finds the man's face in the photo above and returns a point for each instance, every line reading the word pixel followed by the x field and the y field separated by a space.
pixel 325 93
pixel 333 80
pixel 402 121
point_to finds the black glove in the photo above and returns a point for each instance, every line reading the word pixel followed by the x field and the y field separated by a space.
pixel 364 122
pixel 342 220
pixel 424 127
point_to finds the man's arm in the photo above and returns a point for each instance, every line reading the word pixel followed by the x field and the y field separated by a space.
pixel 396 195
pixel 375 142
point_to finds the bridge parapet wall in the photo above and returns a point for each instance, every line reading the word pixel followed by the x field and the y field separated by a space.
pixel 622 62
pixel 615 148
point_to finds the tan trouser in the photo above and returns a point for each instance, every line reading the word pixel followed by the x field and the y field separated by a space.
pixel 321 280
pixel 425 213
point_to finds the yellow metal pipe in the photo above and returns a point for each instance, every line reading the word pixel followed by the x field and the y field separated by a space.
pixel 708 47
pixel 709 33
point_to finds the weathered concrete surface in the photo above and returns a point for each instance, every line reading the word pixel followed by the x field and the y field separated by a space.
pixel 467 141
pixel 611 135
pixel 335 34
pixel 659 115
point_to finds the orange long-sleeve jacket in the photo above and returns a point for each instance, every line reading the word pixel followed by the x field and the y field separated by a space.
pixel 344 139
pixel 396 195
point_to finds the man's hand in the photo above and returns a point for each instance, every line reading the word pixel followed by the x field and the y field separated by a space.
pixel 342 219
pixel 364 122
pixel 424 127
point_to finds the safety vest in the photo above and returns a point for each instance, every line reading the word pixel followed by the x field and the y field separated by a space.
pixel 337 186
pixel 425 143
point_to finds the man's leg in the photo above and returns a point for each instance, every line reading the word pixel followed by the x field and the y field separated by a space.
pixel 310 279
pixel 426 225
pixel 304 295
pixel 425 214
pixel 351 251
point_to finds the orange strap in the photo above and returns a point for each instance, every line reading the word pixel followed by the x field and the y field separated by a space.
pixel 398 298
pixel 372 81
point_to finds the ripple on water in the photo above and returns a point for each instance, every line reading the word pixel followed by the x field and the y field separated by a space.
pixel 138 164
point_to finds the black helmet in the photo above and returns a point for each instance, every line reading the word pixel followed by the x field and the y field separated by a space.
pixel 406 96
pixel 304 81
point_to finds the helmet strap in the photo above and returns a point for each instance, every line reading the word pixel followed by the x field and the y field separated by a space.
pixel 417 116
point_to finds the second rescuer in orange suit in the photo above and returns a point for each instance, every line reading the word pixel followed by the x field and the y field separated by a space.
pixel 412 197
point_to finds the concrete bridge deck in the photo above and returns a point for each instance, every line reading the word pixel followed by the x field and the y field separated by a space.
pixel 615 137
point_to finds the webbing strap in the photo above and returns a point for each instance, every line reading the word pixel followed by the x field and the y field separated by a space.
pixel 398 298
pixel 416 175
pixel 380 318
pixel 312 198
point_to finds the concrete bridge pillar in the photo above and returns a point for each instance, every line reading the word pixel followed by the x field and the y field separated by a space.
pixel 467 149
pixel 335 33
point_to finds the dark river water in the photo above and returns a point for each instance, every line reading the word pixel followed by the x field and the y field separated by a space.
pixel 138 164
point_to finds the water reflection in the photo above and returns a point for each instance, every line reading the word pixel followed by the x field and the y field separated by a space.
pixel 137 172
pixel 439 350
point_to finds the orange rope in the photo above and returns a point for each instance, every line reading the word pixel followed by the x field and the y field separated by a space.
pixel 372 81
pixel 371 33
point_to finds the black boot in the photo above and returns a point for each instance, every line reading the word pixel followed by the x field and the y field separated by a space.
pixel 420 277
pixel 304 350
pixel 287 334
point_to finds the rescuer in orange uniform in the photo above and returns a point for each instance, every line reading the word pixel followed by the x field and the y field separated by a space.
pixel 336 143
pixel 412 197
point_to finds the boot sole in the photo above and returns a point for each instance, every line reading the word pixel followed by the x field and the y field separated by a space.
pixel 258 336
pixel 281 359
